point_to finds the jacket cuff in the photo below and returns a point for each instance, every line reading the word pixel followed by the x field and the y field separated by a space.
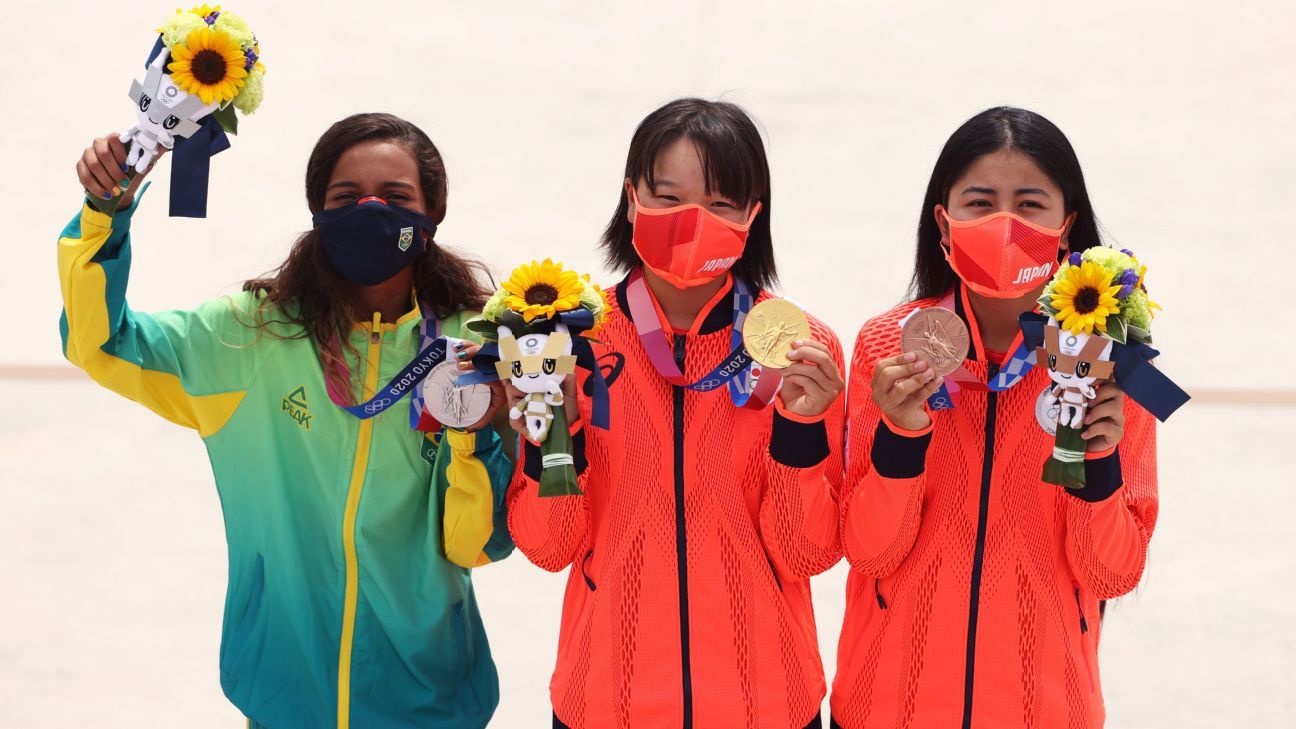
pixel 532 460
pixel 798 442
pixel 899 453
pixel 1102 478
pixel 90 215
pixel 1100 454
pixel 462 441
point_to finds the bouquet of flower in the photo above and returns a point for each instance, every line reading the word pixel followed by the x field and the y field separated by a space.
pixel 205 66
pixel 1096 301
pixel 539 322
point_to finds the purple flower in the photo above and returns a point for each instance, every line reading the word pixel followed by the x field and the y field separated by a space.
pixel 1074 259
pixel 211 19
pixel 1127 252
pixel 251 57
pixel 1128 279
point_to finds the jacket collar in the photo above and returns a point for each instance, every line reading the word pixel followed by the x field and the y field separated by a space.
pixel 716 316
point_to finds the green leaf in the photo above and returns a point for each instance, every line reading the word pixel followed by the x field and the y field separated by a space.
pixel 483 329
pixel 227 118
pixel 1117 330
pixel 1139 334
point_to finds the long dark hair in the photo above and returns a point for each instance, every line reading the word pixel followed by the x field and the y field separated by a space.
pixel 307 291
pixel 733 162
pixel 992 130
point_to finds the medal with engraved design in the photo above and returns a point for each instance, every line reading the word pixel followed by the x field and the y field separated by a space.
pixel 938 336
pixel 454 406
pixel 769 330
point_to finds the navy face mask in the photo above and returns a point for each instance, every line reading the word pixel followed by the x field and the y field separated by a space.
pixel 370 242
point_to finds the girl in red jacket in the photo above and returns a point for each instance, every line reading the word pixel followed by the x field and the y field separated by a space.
pixel 976 590
pixel 710 501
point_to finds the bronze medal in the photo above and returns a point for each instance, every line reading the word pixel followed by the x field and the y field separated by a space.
pixel 938 336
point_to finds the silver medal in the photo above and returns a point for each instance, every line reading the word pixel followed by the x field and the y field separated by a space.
pixel 1046 411
pixel 451 405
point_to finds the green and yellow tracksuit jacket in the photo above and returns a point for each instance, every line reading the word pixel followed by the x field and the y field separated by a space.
pixel 350 601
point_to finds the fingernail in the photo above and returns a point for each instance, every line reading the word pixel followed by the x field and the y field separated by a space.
pixel 116 191
pixel 107 196
pixel 124 168
pixel 125 183
pixel 920 366
pixel 909 357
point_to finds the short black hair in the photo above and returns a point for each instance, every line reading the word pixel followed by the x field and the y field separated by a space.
pixel 1003 127
pixel 733 162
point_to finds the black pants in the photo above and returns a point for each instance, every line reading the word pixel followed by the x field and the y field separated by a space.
pixel 816 723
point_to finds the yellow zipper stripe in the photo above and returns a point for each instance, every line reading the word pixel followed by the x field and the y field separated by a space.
pixel 349 528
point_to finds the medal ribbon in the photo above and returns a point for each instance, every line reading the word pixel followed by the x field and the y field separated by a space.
pixel 431 353
pixel 1013 371
pixel 736 370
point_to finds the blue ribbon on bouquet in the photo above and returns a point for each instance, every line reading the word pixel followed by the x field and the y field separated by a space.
pixel 577 320
pixel 1134 371
pixel 191 161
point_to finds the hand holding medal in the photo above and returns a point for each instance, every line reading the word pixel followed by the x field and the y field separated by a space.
pixel 466 407
pixel 204 66
pixel 933 344
pixel 777 335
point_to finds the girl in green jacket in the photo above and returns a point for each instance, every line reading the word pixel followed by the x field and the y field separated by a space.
pixel 351 536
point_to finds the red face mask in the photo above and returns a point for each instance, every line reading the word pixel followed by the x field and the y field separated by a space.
pixel 1003 255
pixel 688 245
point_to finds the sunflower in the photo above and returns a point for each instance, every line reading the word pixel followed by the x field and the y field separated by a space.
pixel 542 290
pixel 1084 297
pixel 209 65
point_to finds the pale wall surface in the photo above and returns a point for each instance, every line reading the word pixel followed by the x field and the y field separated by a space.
pixel 1182 114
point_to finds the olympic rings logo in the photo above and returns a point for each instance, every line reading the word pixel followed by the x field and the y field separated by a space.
pixel 377 406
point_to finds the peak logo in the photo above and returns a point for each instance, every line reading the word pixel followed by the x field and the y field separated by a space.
pixel 294 403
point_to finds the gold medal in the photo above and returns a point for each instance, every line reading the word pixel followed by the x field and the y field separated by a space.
pixel 769 330
pixel 938 336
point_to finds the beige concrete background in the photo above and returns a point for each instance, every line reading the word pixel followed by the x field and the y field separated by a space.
pixel 1183 113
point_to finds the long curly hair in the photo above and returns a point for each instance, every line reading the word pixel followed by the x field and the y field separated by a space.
pixel 306 291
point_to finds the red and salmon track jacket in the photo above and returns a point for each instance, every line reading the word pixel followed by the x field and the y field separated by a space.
pixel 974 593
pixel 688 601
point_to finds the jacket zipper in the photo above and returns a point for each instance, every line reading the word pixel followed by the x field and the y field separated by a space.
pixel 681 539
pixel 877 592
pixel 585 571
pixel 1084 625
pixel 351 558
pixel 1084 628
pixel 978 556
